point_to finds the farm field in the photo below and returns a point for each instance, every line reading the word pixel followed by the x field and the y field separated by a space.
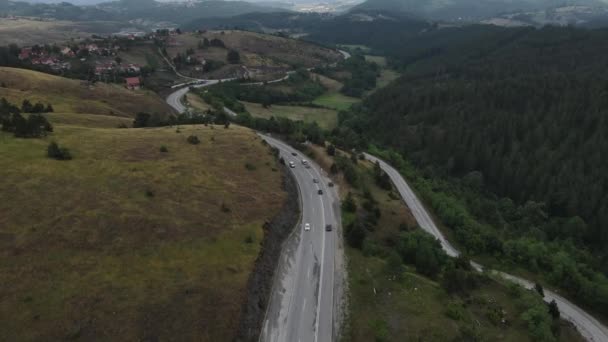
pixel 326 118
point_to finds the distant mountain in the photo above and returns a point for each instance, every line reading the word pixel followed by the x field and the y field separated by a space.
pixel 142 10
pixel 470 10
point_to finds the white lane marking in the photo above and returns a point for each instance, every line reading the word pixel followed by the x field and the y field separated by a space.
pixel 321 276
pixel 308 273
pixel 286 148
pixel 304 306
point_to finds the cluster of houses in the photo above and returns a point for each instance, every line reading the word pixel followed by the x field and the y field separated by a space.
pixel 41 57
pixel 111 67
pixel 57 58
pixel 105 69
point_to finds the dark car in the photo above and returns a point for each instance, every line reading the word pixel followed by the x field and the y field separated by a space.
pixel 294 154
pixel 331 184
pixel 320 192
pixel 328 228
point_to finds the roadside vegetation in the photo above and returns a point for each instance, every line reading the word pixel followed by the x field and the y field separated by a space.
pixel 402 286
pixel 508 160
pixel 129 241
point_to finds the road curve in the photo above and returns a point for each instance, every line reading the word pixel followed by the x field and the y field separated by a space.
pixel 301 307
pixel 589 327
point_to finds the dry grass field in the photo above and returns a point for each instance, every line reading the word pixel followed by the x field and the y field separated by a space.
pixel 128 243
pixel 73 96
pixel 326 118
pixel 269 53
pixel 24 31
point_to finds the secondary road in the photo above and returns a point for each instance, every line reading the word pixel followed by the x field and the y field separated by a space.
pixel 590 328
pixel 301 307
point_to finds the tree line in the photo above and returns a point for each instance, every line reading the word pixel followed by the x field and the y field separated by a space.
pixel 31 126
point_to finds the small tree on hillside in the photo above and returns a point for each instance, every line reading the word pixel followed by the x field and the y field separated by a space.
pixel 55 152
pixel 233 57
pixel 26 106
pixel 331 150
pixel 141 120
pixel 554 309
pixel 539 288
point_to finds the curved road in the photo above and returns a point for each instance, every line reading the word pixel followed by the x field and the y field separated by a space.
pixel 301 307
pixel 302 303
pixel 590 328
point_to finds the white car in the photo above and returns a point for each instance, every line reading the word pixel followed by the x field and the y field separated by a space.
pixel 292 165
pixel 307 226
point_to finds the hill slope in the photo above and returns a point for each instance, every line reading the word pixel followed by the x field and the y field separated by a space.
pixel 465 9
pixel 510 128
pixel 73 96
pixel 126 242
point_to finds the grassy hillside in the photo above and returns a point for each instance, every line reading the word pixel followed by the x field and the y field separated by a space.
pixel 125 242
pixel 73 96
pixel 263 54
pixel 326 118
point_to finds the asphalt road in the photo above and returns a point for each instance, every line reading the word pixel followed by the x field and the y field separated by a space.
pixel 590 328
pixel 302 304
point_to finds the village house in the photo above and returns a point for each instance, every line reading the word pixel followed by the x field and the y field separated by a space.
pixel 93 48
pixel 66 51
pixel 25 53
pixel 133 83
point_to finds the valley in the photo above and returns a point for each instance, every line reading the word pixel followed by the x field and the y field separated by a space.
pixel 215 171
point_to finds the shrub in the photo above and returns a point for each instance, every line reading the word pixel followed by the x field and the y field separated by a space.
pixel 331 150
pixel 149 193
pixel 164 149
pixel 250 166
pixel 194 140
pixel 225 208
pixel 141 120
pixel 58 153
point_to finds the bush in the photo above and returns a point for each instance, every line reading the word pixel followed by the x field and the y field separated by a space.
pixel 164 149
pixel 193 139
pixel 250 166
pixel 349 204
pixel 58 153
pixel 141 120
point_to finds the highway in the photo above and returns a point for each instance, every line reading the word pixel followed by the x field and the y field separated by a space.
pixel 590 328
pixel 301 308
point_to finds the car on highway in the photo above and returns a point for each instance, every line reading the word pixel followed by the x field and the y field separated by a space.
pixel 292 164
pixel 331 184
pixel 304 162
pixel 328 228
pixel 307 226
pixel 314 180
pixel 294 154
pixel 320 192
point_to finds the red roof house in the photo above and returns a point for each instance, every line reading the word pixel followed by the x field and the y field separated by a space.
pixel 133 83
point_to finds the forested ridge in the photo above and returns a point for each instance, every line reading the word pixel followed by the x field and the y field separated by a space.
pixel 509 131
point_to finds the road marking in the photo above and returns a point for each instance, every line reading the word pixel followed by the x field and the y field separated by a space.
pixel 308 273
pixel 304 306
